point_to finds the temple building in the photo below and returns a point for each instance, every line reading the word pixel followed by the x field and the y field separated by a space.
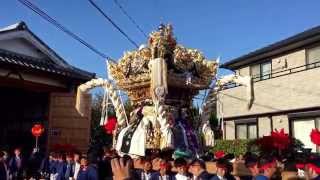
pixel 38 86
pixel 286 78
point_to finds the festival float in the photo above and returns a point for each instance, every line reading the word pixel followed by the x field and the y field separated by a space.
pixel 161 79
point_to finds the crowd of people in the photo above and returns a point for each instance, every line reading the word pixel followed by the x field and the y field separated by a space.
pixel 55 166
pixel 154 166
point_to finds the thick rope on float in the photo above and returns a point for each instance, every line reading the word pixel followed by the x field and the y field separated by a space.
pixel 115 99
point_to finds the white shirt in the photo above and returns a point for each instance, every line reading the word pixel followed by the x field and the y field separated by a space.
pixel 181 177
pixel 146 176
pixel 165 177
pixel 76 170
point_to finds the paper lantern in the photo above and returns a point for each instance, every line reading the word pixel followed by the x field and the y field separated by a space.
pixel 37 130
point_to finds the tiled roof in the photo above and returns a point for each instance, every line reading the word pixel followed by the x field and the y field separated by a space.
pixel 22 61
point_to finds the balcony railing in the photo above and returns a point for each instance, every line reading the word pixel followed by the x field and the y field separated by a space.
pixel 278 74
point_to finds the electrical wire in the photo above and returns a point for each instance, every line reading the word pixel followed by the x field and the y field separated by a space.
pixel 45 16
pixel 113 23
pixel 129 17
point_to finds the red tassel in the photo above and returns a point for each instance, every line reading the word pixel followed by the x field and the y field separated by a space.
pixel 110 125
pixel 315 136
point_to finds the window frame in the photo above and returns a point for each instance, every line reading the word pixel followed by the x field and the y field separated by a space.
pixel 301 116
pixel 314 64
pixel 259 77
pixel 247 122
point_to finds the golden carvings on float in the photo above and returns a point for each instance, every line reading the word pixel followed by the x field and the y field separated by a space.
pixel 187 68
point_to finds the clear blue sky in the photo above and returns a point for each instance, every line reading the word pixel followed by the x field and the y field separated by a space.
pixel 226 28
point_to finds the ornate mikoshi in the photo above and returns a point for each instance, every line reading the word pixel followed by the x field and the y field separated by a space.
pixel 162 77
pixel 161 80
pixel 187 69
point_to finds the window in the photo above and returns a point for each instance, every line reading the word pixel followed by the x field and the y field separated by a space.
pixel 302 124
pixel 266 70
pixel 261 71
pixel 255 71
pixel 252 131
pixel 313 57
pixel 246 129
pixel 303 134
pixel 241 131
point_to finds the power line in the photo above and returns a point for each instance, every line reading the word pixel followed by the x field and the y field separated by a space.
pixel 113 23
pixel 129 17
pixel 45 16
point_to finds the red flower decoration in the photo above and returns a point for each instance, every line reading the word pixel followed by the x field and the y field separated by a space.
pixel 219 154
pixel 266 143
pixel 37 130
pixel 277 140
pixel 280 139
pixel 111 124
pixel 315 136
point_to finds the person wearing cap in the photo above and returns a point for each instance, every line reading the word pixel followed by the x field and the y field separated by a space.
pixel 251 162
pixel 198 169
pixel 313 168
pixel 164 172
pixel 267 166
pixel 182 167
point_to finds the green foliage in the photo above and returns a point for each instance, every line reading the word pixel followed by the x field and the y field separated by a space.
pixel 240 147
pixel 213 120
pixel 98 137
pixel 236 147
pixel 294 147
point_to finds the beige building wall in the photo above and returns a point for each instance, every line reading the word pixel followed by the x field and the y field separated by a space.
pixel 281 121
pixel 66 125
pixel 244 71
pixel 229 130
pixel 288 92
pixel 291 60
pixel 264 125
pixel 294 91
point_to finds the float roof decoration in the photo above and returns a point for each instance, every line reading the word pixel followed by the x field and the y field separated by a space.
pixel 187 68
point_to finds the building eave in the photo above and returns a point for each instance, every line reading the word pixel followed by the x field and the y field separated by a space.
pixel 294 42
pixel 21 29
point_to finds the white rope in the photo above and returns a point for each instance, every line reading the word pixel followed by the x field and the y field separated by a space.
pixel 119 108
pixel 104 107
pixel 220 112
pixel 123 106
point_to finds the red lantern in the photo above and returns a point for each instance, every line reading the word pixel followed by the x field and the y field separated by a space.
pixel 110 125
pixel 37 130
